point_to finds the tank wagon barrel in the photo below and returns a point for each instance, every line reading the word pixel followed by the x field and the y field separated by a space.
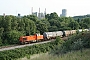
pixel 50 35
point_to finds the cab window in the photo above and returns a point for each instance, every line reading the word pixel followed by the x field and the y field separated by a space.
pixel 24 38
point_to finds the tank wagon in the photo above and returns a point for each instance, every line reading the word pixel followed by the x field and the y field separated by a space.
pixel 69 32
pixel 50 35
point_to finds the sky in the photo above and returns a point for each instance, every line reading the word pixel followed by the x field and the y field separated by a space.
pixel 74 7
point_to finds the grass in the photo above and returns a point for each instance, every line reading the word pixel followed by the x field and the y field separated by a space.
pixel 74 55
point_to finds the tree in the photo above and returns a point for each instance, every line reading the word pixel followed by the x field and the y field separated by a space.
pixel 87 21
pixel 8 23
pixel 14 23
pixel 42 27
pixel 53 28
pixel 83 25
pixel 30 27
pixel 47 16
pixel 45 21
pixel 54 22
pixel 53 15
pixel 1 33
pixel 13 36
pixel 74 25
pixel 31 17
pixel 21 25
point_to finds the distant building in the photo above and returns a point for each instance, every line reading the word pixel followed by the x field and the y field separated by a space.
pixel 35 13
pixel 41 15
pixel 45 12
pixel 64 13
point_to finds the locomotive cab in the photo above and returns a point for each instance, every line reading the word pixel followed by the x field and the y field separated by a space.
pixel 22 40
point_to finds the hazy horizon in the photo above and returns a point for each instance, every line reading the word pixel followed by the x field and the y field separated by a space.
pixel 74 7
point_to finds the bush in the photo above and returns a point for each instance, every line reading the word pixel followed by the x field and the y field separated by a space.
pixel 0 41
pixel 26 51
pixel 74 42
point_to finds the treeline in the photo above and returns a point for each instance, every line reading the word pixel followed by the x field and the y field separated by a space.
pixel 12 27
pixel 81 17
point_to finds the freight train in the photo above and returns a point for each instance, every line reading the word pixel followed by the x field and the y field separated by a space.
pixel 48 35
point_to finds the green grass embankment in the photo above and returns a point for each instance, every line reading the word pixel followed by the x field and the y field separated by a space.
pixel 74 55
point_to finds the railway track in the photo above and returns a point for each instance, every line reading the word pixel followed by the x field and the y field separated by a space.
pixel 20 46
